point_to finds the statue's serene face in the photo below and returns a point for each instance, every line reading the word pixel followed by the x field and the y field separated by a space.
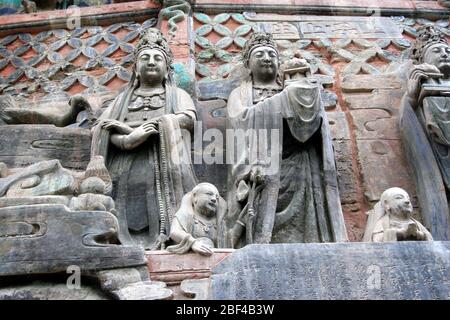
pixel 264 63
pixel 397 202
pixel 151 66
pixel 206 199
pixel 439 56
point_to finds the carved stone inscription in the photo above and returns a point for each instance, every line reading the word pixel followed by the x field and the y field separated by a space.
pixel 409 270
pixel 312 27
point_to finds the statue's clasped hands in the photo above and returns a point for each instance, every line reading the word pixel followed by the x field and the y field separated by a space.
pixel 143 131
pixel 409 231
pixel 147 129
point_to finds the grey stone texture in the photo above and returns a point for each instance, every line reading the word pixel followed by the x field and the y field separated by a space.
pixel 402 270
pixel 40 239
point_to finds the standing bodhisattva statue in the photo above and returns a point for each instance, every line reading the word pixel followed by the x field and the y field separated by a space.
pixel 142 139
pixel 284 174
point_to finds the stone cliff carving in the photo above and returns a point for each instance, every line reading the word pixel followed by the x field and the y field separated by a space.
pixel 288 186
pixel 391 220
pixel 425 130
pixel 47 182
pixel 52 218
pixel 175 11
pixel 199 224
pixel 141 137
pixel 59 113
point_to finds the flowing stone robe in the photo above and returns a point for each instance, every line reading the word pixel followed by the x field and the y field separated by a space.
pixel 300 200
pixel 150 180
pixel 426 137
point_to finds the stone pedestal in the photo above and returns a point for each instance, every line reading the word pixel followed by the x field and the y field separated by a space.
pixel 186 275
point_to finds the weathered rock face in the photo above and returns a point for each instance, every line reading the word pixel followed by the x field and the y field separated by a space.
pixel 49 238
pixel 406 270
pixel 27 144
pixel 361 70
pixel 361 64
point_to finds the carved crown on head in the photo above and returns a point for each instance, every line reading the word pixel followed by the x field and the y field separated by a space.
pixel 426 36
pixel 152 38
pixel 258 39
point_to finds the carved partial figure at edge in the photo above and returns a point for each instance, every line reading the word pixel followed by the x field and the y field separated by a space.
pixel 425 127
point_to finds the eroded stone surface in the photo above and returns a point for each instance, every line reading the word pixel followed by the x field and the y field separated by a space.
pixel 199 289
pixel 50 291
pixel 27 144
pixel 406 270
pixel 375 124
pixel 375 158
pixel 149 290
pixel 346 175
pixel 367 83
pixel 173 268
pixel 60 238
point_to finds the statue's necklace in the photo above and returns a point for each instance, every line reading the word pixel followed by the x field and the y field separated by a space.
pixel 206 226
pixel 148 100
pixel 262 93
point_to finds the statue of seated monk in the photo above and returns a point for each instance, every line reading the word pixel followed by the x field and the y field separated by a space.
pixel 199 223
pixel 391 220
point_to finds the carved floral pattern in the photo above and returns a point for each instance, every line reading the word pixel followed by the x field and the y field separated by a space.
pixel 211 52
pixel 62 73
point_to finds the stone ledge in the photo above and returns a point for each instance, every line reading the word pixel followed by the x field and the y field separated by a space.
pixel 396 270
pixel 430 9
pixel 106 14
pixel 173 268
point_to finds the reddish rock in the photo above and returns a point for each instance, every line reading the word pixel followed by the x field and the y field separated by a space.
pixel 383 165
pixel 173 268
pixel 375 124
pixel 379 99
pixel 367 83
pixel 84 12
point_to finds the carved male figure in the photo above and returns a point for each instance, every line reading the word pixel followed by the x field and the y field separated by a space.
pixel 425 127
pixel 140 136
pixel 199 223
pixel 391 220
pixel 289 185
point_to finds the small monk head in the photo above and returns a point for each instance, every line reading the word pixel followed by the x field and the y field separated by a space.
pixel 396 202
pixel 205 198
